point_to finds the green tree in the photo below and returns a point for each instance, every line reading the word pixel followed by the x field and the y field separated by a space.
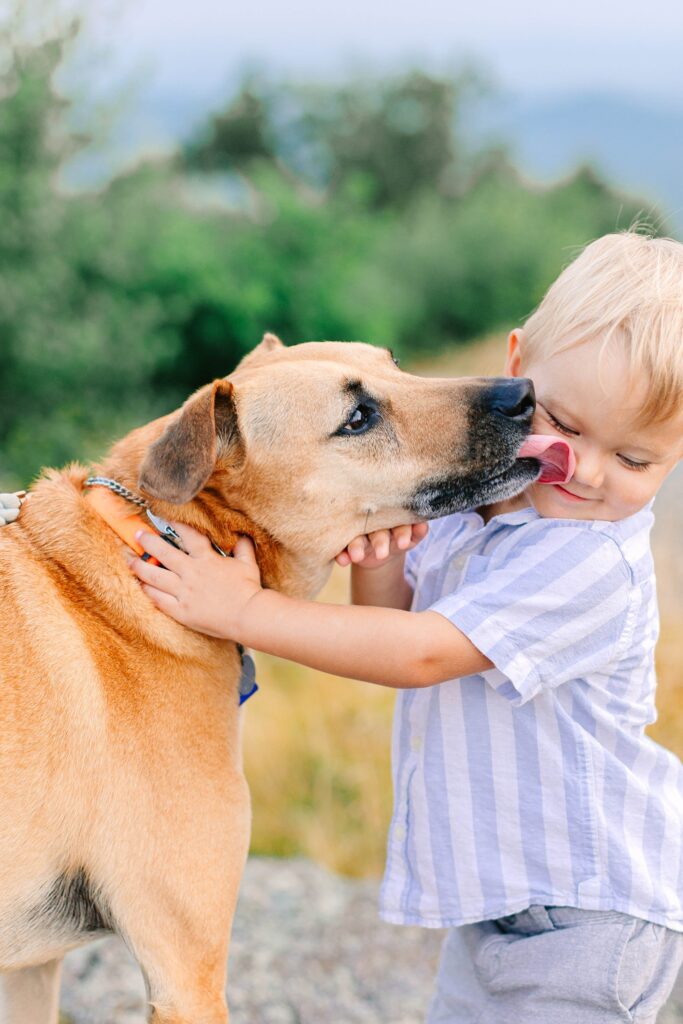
pixel 235 138
pixel 72 366
pixel 386 139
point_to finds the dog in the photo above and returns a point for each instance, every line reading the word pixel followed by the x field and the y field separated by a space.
pixel 123 807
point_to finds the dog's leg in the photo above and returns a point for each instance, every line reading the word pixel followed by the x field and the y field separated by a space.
pixel 177 916
pixel 206 1014
pixel 30 994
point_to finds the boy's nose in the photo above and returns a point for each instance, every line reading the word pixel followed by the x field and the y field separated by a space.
pixel 514 398
pixel 590 470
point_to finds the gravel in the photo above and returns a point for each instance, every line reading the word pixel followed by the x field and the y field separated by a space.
pixel 308 947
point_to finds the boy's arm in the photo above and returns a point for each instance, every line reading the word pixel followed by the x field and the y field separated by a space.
pixel 379 645
pixel 224 598
pixel 382 587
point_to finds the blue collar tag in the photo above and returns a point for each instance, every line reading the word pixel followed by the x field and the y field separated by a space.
pixel 248 685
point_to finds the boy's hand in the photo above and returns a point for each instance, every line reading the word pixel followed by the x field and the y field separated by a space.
pixel 373 549
pixel 200 589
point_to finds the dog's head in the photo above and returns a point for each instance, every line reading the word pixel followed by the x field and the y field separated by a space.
pixel 322 441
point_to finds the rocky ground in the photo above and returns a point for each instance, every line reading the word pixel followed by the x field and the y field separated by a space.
pixel 308 948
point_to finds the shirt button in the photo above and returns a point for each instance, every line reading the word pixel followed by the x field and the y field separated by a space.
pixel 416 743
pixel 399 834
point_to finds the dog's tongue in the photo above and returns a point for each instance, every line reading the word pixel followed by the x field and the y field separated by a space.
pixel 555 455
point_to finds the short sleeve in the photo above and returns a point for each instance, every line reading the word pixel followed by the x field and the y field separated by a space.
pixel 554 608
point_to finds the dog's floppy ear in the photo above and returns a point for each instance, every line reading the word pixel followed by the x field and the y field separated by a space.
pixel 179 463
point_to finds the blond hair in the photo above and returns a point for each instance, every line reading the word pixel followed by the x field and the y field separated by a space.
pixel 625 288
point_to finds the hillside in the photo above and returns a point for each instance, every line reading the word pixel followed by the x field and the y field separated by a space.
pixel 638 145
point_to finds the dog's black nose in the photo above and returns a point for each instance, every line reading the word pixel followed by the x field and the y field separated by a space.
pixel 514 398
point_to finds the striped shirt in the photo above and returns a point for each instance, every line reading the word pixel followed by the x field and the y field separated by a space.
pixel 533 783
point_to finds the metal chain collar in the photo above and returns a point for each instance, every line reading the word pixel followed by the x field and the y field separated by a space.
pixel 117 488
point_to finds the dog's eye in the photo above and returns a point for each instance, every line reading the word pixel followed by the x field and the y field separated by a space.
pixel 364 416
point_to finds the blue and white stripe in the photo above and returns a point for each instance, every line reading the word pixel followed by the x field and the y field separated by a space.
pixel 534 783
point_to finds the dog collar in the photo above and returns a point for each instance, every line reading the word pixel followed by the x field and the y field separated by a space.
pixel 101 496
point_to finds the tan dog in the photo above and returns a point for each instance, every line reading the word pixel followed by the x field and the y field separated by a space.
pixel 123 806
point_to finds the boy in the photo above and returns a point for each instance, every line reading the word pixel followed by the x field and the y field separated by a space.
pixel 532 817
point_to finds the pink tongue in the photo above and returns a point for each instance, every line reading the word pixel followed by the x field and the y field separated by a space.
pixel 555 455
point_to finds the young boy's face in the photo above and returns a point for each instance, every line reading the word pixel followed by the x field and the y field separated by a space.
pixel 620 465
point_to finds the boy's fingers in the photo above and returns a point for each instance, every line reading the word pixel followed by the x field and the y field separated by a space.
pixel 402 536
pixel 380 542
pixel 244 551
pixel 356 549
pixel 164 552
pixel 420 531
pixel 194 542
pixel 155 576
pixel 164 602
pixel 343 558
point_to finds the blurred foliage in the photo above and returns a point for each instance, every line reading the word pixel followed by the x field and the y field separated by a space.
pixel 347 212
pixel 234 138
pixel 387 139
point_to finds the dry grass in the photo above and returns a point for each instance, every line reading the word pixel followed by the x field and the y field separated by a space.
pixel 668 730
pixel 317 747
pixel 669 558
pixel 317 760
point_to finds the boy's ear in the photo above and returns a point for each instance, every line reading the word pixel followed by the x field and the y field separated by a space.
pixel 180 462
pixel 513 362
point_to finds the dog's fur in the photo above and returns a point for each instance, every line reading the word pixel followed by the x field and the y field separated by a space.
pixel 123 806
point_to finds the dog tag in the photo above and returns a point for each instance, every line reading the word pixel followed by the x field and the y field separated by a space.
pixel 248 685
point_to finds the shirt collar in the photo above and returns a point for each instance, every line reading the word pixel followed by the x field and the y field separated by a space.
pixel 520 516
pixel 516 518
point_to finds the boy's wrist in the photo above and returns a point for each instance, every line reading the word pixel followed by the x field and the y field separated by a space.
pixel 248 627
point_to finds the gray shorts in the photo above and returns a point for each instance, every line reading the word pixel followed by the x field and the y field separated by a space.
pixel 556 965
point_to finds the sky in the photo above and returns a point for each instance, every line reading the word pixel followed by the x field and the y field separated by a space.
pixel 201 45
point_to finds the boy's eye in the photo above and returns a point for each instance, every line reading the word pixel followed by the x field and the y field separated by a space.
pixel 560 426
pixel 632 464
